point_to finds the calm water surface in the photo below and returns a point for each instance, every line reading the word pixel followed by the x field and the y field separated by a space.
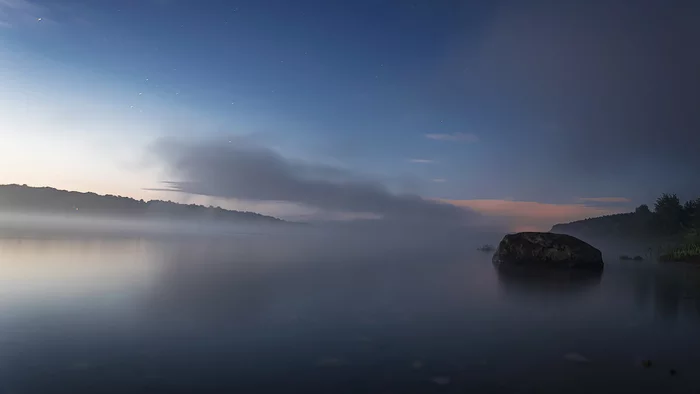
pixel 259 313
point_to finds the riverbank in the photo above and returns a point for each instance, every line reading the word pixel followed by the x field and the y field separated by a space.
pixel 687 253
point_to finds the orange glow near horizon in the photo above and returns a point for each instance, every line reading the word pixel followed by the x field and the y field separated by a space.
pixel 534 216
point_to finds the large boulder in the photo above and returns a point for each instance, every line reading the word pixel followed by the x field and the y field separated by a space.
pixel 547 250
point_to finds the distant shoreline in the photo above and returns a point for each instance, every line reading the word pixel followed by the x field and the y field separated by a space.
pixel 672 228
pixel 46 200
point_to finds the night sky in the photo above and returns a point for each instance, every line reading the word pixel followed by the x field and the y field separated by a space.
pixel 525 111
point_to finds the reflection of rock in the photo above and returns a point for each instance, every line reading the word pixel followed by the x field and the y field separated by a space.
pixel 543 280
pixel 547 250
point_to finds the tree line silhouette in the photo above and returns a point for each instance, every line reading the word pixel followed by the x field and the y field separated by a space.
pixel 669 218
pixel 673 226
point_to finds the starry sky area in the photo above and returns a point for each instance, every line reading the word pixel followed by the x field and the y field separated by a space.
pixel 533 112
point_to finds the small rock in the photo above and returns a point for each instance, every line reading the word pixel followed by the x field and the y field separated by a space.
pixel 486 248
pixel 576 357
pixel 646 363
pixel 673 372
pixel 441 380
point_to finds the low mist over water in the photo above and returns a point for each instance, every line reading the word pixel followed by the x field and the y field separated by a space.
pixel 341 310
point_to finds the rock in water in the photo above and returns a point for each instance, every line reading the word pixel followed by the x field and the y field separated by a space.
pixel 548 250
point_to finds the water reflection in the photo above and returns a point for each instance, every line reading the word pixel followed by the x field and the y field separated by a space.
pixel 242 285
pixel 267 315
pixel 52 269
pixel 668 293
pixel 212 289
pixel 518 280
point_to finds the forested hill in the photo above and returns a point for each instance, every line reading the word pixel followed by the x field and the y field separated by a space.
pixel 670 218
pixel 622 224
pixel 25 199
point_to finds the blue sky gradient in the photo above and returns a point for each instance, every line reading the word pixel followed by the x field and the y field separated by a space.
pixel 454 100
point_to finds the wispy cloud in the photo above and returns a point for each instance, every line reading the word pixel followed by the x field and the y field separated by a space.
pixel 422 161
pixel 605 199
pixel 457 137
pixel 243 170
pixel 439 180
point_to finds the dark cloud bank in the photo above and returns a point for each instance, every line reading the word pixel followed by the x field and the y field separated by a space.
pixel 242 170
pixel 599 91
